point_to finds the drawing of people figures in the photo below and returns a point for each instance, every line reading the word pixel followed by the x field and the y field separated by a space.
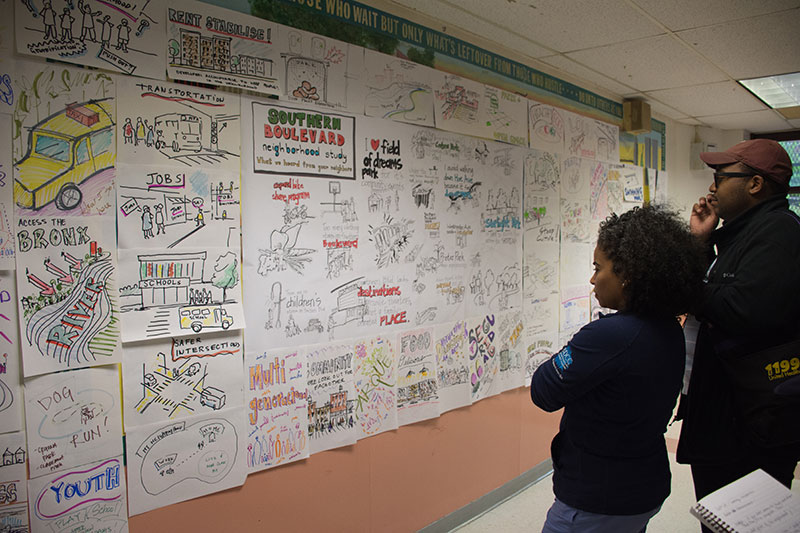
pixel 123 35
pixel 140 131
pixel 105 31
pixel 87 22
pixel 127 131
pixel 199 218
pixel 148 139
pixel 147 222
pixel 66 25
pixel 476 288
pixel 292 328
pixel 49 19
pixel 160 220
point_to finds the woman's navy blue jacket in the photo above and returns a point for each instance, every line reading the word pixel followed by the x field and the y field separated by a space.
pixel 618 380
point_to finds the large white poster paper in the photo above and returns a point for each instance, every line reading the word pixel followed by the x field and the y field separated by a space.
pixel 84 498
pixel 219 46
pixel 277 409
pixel 417 387
pixel 397 89
pixel 331 396
pixel 10 362
pixel 174 462
pixel 69 316
pixel 451 358
pixel 375 383
pixel 72 419
pixel 123 37
pixel 13 482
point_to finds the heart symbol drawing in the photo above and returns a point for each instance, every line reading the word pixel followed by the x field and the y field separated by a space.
pixel 375 143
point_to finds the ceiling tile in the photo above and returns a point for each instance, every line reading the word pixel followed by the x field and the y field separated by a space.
pixel 651 63
pixel 710 99
pixel 753 121
pixel 685 14
pixel 555 24
pixel 690 121
pixel 569 66
pixel 759 46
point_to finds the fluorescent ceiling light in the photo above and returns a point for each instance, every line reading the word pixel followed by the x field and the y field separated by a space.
pixel 776 91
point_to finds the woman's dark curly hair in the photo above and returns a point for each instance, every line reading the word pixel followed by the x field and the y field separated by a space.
pixel 660 262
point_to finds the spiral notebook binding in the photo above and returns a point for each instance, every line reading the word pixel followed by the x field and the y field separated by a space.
pixel 713 520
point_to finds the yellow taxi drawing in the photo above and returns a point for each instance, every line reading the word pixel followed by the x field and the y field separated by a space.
pixel 64 150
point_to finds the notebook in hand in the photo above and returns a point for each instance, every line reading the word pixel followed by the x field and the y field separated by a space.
pixel 756 503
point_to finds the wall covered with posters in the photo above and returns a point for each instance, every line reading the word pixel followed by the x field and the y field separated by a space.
pixel 237 245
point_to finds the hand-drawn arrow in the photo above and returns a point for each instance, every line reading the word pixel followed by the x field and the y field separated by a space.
pixel 45 289
pixel 74 263
pixel 64 277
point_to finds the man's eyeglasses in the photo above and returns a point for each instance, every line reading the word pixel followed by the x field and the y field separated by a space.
pixel 719 176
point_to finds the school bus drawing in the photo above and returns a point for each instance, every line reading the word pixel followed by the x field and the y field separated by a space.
pixel 64 150
pixel 179 131
pixel 197 317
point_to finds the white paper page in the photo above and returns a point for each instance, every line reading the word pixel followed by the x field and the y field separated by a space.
pixel 177 377
pixel 375 376
pixel 56 504
pixel 177 461
pixel 417 386
pixel 397 89
pixel 172 207
pixel 450 340
pixel 547 127
pixel 484 361
pixel 331 388
pixel 247 56
pixel 13 480
pixel 165 293
pixel 459 104
pixel 67 292
pixel 10 362
pixel 539 349
pixel 72 419
pixel 504 115
pixel 6 193
pixel 162 123
pixel 510 349
pixel 123 37
pixel 276 401
pixel 71 173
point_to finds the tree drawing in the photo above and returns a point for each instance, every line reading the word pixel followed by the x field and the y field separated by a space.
pixel 226 273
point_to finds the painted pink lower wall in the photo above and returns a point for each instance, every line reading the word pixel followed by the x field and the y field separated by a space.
pixel 397 481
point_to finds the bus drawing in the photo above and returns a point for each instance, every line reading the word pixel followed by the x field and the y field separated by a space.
pixel 197 317
pixel 64 150
pixel 212 397
pixel 179 131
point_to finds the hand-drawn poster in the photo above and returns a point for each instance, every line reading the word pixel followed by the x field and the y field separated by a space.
pixel 331 396
pixel 10 362
pixel 164 293
pixel 607 142
pixel 575 309
pixel 450 340
pixel 375 377
pixel 172 207
pixel 510 350
pixel 542 172
pixel 580 136
pixel 181 460
pixel 13 482
pixel 547 127
pixel 458 104
pixel 8 67
pixel 539 349
pixel 301 142
pixel 417 386
pixel 484 364
pixel 123 37
pixel 163 123
pixel 90 497
pixel 598 190
pixel 175 378
pixel 72 419
pixel 67 292
pixel 632 180
pixel 63 142
pixel 503 114
pixel 218 46
pixel 318 70
pixel 6 193
pixel 397 89
pixel 277 409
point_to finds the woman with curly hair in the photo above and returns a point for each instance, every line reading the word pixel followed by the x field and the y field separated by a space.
pixel 619 377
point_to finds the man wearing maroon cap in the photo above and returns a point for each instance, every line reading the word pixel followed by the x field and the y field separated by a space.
pixel 750 302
